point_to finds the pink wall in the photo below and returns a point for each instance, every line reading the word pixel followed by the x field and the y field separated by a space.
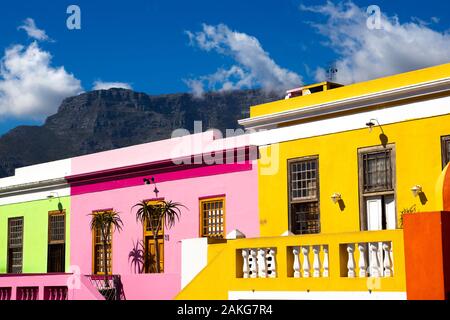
pixel 82 291
pixel 237 182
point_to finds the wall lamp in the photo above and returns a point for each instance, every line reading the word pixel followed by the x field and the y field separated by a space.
pixel 150 181
pixel 416 190
pixel 372 123
pixel 336 197
pixel 52 195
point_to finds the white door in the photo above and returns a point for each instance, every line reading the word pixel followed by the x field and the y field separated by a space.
pixel 391 217
pixel 374 213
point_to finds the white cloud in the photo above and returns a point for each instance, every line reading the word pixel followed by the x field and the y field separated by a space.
pixel 101 85
pixel 33 32
pixel 253 66
pixel 366 54
pixel 29 86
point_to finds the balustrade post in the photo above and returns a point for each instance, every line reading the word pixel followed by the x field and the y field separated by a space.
pixel 374 263
pixel 351 261
pixel 272 263
pixel 296 266
pixel 325 262
pixel 306 265
pixel 245 267
pixel 387 263
pixel 316 262
pixel 253 264
pixel 262 266
pixel 362 260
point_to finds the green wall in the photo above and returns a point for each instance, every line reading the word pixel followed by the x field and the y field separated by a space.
pixel 35 242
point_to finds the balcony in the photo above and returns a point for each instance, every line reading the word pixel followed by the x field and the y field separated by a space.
pixel 361 265
pixel 110 288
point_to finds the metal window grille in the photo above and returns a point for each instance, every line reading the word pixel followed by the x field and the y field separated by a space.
pixel 304 179
pixel 15 243
pixel 56 228
pixel 305 218
pixel 213 214
pixel 377 171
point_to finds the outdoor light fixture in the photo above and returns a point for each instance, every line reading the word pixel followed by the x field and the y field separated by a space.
pixel 335 197
pixel 52 195
pixel 150 181
pixel 416 190
pixel 372 123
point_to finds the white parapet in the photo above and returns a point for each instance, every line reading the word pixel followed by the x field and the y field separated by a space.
pixel 194 257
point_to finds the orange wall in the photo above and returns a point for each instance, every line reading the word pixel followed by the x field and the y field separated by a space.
pixel 427 255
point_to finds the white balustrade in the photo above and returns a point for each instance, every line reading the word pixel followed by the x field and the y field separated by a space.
pixel 306 266
pixel 374 261
pixel 253 264
pixel 387 263
pixel 351 261
pixel 295 251
pixel 271 263
pixel 245 267
pixel 362 260
pixel 325 262
pixel 316 262
pixel 262 266
pixel 259 263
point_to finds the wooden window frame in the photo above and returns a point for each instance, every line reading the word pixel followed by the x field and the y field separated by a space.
pixel 56 242
pixel 362 195
pixel 146 233
pixel 94 244
pixel 8 267
pixel 444 152
pixel 201 224
pixel 306 200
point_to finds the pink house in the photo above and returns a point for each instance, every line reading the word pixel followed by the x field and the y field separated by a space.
pixel 216 179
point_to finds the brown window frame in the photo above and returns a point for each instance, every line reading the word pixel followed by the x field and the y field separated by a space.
pixel 95 267
pixel 315 200
pixel 365 194
pixel 222 224
pixel 149 265
pixel 444 152
pixel 9 261
pixel 52 243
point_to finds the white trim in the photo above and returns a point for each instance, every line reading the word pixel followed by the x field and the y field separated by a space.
pixel 316 295
pixel 354 103
pixel 407 112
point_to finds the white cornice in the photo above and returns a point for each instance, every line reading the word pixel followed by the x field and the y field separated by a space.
pixel 31 187
pixel 355 103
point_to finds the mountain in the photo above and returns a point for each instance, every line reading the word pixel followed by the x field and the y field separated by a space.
pixel 108 119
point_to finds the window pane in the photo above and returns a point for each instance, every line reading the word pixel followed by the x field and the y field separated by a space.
pixel 303 179
pixel 15 238
pixel 56 230
pixel 377 171
pixel 213 217
pixel 305 218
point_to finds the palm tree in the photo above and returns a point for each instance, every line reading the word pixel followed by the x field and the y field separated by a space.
pixel 105 221
pixel 156 215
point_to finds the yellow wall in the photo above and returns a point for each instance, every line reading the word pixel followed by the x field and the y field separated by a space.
pixel 418 161
pixel 354 90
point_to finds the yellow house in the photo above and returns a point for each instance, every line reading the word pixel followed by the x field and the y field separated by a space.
pixel 339 167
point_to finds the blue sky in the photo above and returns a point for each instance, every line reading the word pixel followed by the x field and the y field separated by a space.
pixel 146 45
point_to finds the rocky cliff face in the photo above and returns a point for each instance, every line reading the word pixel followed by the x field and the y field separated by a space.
pixel 108 119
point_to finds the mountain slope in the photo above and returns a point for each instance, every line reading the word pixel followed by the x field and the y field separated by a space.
pixel 108 119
